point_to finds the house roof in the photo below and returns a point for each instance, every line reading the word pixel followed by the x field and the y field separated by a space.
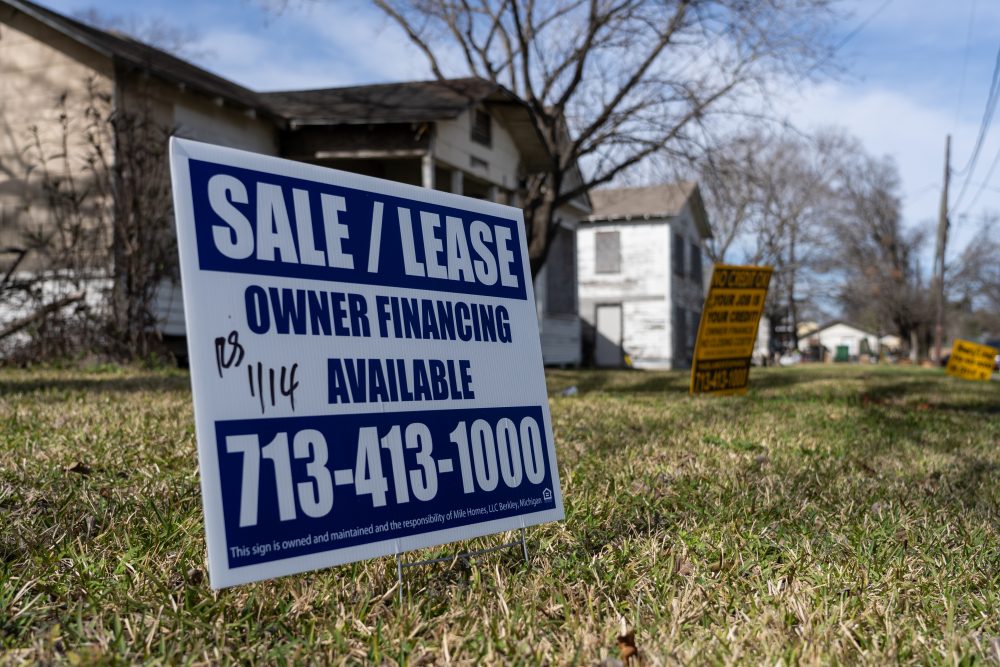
pixel 404 102
pixel 412 102
pixel 645 203
pixel 128 51
pixel 823 327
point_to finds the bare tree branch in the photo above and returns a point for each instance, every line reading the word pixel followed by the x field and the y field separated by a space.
pixel 610 84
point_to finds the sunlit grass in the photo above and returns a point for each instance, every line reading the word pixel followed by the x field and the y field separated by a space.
pixel 832 515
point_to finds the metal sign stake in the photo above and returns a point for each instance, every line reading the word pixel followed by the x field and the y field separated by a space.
pixel 462 554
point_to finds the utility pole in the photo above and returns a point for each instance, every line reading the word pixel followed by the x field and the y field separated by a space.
pixel 942 241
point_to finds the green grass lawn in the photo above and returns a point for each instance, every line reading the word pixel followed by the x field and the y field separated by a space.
pixel 832 515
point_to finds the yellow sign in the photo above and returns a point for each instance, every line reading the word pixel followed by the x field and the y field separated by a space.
pixel 728 329
pixel 971 361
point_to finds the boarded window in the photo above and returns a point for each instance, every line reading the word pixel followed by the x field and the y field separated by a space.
pixel 560 274
pixel 678 255
pixel 696 276
pixel 482 128
pixel 608 248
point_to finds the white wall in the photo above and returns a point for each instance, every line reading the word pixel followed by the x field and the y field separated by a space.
pixel 202 120
pixel 645 270
pixel 641 286
pixel 454 146
pixel 646 285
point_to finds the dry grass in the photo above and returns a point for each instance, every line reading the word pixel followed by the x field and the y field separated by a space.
pixel 833 515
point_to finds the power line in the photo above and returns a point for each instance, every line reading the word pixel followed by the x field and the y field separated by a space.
pixel 984 127
pixel 983 185
pixel 984 124
pixel 846 39
pixel 965 61
pixel 864 24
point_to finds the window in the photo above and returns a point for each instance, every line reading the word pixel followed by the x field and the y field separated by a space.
pixel 608 249
pixel 482 128
pixel 678 258
pixel 696 276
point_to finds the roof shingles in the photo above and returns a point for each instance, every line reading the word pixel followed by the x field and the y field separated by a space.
pixel 409 101
pixel 645 202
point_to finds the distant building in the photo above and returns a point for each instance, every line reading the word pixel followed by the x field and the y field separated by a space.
pixel 642 275
pixel 466 136
pixel 838 341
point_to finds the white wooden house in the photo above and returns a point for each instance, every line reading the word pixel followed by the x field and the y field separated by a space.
pixel 466 136
pixel 641 274
pixel 839 341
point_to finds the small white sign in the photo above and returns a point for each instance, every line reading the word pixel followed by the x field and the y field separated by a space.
pixel 365 364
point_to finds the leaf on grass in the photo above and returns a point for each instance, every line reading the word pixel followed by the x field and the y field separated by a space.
pixel 79 468
pixel 683 566
pixel 627 648
pixel 902 536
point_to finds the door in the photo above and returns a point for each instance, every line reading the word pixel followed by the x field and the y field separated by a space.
pixel 608 346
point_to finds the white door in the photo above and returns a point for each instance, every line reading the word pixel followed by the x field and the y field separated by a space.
pixel 608 346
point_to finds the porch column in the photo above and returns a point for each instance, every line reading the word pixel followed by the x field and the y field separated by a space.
pixel 427 170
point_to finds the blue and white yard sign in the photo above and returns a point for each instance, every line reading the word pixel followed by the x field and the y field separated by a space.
pixel 365 363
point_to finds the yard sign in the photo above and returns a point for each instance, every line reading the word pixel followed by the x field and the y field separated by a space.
pixel 365 363
pixel 728 329
pixel 971 361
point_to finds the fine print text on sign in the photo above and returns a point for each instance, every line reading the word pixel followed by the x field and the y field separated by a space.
pixel 971 361
pixel 365 364
pixel 728 329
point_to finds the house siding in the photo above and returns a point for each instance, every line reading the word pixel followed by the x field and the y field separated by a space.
pixel 497 164
pixel 646 286
pixel 41 74
pixel 641 287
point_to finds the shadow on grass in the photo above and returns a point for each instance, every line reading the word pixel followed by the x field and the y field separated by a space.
pixel 891 412
pixel 916 394
pixel 619 381
pixel 783 378
pixel 94 384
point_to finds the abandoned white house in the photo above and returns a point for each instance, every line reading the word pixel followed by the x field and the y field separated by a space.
pixel 466 136
pixel 641 275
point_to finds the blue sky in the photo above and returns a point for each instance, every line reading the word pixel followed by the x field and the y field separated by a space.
pixel 916 71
